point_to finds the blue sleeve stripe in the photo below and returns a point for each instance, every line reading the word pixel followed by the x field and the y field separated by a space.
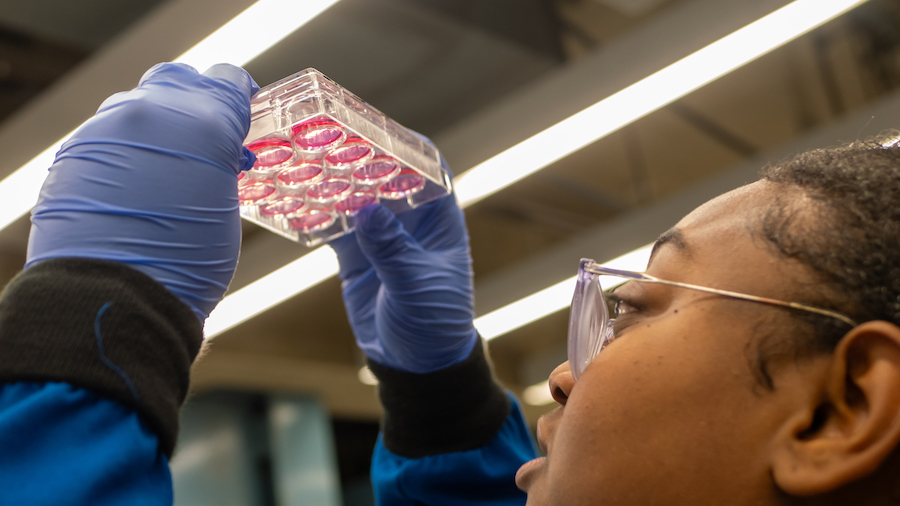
pixel 116 369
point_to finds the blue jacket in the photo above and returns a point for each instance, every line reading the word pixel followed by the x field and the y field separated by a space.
pixel 94 364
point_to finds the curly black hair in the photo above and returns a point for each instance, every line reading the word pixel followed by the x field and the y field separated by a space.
pixel 852 242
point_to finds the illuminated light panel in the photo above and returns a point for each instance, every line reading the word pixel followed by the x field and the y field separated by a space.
pixel 19 191
pixel 647 95
pixel 271 289
pixel 538 394
pixel 526 310
pixel 366 376
pixel 236 42
pixel 252 32
pixel 552 299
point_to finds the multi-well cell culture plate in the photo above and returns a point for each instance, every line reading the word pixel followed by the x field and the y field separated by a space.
pixel 323 154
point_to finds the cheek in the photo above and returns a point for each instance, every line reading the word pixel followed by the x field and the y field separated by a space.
pixel 661 406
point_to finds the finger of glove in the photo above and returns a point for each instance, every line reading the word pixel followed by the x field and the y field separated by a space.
pixel 166 70
pixel 132 173
pixel 351 259
pixel 226 75
pixel 118 203
pixel 177 109
pixel 397 257
pixel 231 75
pixel 437 225
pixel 236 76
pixel 247 160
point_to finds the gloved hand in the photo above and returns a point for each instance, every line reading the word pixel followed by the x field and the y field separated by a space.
pixel 407 286
pixel 151 181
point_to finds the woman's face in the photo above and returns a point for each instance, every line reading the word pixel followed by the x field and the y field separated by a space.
pixel 671 413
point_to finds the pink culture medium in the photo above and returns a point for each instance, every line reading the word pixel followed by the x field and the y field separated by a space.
pixel 356 201
pixel 282 206
pixel 331 189
pixel 301 174
pixel 318 134
pixel 378 170
pixel 255 192
pixel 271 151
pixel 312 221
pixel 350 153
pixel 404 185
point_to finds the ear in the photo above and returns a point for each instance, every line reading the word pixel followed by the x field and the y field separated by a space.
pixel 850 423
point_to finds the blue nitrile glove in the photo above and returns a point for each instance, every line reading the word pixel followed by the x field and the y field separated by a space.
pixel 407 285
pixel 151 181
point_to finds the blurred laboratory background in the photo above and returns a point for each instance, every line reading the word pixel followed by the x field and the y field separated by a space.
pixel 282 410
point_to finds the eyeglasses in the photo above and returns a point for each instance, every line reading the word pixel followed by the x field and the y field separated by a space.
pixel 591 329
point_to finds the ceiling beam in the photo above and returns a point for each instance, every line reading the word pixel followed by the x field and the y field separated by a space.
pixel 162 35
pixel 663 39
pixel 642 227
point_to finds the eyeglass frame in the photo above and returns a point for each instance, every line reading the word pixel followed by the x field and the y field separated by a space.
pixel 589 272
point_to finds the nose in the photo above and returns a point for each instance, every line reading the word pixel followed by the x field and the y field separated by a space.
pixel 561 383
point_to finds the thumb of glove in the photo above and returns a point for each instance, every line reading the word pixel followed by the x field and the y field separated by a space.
pixel 423 311
pixel 396 256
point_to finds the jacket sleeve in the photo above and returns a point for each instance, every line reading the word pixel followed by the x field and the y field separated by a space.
pixel 94 366
pixel 449 437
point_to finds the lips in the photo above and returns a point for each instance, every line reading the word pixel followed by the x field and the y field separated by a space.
pixel 540 441
pixel 542 427
pixel 529 470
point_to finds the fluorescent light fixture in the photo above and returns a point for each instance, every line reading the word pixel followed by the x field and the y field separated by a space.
pixel 240 40
pixel 366 376
pixel 19 191
pixel 252 32
pixel 272 289
pixel 526 310
pixel 646 96
pixel 552 299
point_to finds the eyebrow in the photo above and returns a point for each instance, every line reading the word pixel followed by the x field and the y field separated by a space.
pixel 672 236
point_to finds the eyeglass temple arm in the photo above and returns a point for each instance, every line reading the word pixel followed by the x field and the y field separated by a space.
pixel 639 276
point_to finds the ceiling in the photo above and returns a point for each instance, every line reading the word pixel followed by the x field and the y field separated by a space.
pixel 477 76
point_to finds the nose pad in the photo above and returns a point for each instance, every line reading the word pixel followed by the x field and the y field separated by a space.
pixel 610 333
pixel 561 383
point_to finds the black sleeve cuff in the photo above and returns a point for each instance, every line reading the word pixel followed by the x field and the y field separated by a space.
pixel 459 408
pixel 105 327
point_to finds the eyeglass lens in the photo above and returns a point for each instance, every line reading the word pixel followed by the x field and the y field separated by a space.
pixel 590 327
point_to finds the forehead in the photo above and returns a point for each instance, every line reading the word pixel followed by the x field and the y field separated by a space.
pixel 719 244
pixel 731 211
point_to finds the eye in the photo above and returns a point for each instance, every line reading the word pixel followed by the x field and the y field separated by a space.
pixel 622 308
pixel 619 306
pixel 624 311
